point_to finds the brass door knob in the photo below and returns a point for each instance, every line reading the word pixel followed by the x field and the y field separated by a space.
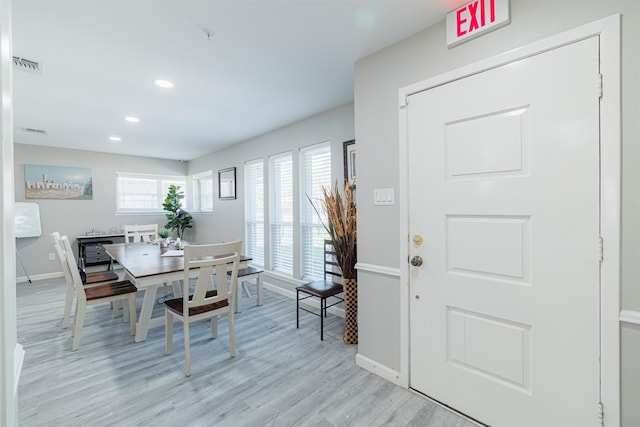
pixel 416 261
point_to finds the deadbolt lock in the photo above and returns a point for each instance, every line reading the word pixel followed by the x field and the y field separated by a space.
pixel 417 240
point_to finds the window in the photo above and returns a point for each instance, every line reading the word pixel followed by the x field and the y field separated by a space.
pixel 315 173
pixel 281 214
pixel 254 210
pixel 203 192
pixel 143 193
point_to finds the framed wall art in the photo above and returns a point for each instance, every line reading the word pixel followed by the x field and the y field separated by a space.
pixel 349 153
pixel 227 184
pixel 58 182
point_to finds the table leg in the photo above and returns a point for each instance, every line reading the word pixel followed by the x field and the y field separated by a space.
pixel 148 301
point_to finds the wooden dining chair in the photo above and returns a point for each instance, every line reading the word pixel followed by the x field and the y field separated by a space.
pixel 212 263
pixel 140 233
pixel 97 294
pixel 89 279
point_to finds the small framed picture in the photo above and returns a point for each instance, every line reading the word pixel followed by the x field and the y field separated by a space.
pixel 227 183
pixel 349 153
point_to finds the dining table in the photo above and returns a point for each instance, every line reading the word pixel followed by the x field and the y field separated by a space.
pixel 149 266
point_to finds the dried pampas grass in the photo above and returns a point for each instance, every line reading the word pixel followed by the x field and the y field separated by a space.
pixel 341 226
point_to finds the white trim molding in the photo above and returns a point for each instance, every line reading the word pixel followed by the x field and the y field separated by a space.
pixel 18 360
pixel 378 269
pixel 44 276
pixel 380 370
pixel 630 316
pixel 608 31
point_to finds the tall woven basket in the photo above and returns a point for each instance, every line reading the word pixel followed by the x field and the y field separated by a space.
pixel 350 335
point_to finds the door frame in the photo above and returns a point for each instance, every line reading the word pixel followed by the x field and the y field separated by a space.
pixel 608 30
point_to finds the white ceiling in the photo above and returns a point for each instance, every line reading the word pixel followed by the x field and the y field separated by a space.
pixel 266 65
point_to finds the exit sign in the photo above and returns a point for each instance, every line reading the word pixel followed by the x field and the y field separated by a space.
pixel 475 18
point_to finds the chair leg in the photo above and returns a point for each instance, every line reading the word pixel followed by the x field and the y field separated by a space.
pixel 116 308
pixel 75 320
pixel 77 330
pixel 132 312
pixel 125 311
pixel 168 332
pixel 297 309
pixel 323 309
pixel 259 288
pixel 68 303
pixel 214 327
pixel 232 332
pixel 238 297
pixel 187 348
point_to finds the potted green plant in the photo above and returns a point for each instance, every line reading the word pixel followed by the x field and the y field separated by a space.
pixel 178 218
pixel 164 235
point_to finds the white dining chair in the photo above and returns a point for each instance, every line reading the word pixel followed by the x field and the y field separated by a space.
pixel 140 233
pixel 90 279
pixel 212 263
pixel 100 293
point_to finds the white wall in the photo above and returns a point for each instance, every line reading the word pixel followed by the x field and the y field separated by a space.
pixel 378 78
pixel 77 217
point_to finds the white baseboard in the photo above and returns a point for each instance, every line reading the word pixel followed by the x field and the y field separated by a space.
pixel 378 369
pixel 45 276
pixel 280 290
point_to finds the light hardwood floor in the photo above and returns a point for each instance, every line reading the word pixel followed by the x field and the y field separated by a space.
pixel 281 376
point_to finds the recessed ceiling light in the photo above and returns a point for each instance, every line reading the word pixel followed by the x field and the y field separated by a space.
pixel 115 138
pixel 163 83
pixel 132 119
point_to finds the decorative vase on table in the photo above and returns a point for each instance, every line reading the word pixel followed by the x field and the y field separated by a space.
pixel 338 215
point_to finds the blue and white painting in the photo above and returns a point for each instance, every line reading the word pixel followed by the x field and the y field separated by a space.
pixel 57 182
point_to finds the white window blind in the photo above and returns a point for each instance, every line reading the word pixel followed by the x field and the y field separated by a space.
pixel 254 210
pixel 315 173
pixel 144 193
pixel 203 192
pixel 281 214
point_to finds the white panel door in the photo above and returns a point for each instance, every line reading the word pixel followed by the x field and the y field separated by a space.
pixel 504 191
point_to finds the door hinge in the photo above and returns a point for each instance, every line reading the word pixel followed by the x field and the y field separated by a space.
pixel 600 249
pixel 600 90
pixel 600 414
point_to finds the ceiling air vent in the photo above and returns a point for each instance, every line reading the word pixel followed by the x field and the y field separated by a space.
pixel 34 130
pixel 29 65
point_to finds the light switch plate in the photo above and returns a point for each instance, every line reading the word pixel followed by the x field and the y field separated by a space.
pixel 384 197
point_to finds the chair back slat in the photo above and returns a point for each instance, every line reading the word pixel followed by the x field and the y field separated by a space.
pixel 140 233
pixel 213 262
pixel 57 244
pixel 73 269
pixel 330 263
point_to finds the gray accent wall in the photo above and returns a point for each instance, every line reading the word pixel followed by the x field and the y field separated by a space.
pixel 378 79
